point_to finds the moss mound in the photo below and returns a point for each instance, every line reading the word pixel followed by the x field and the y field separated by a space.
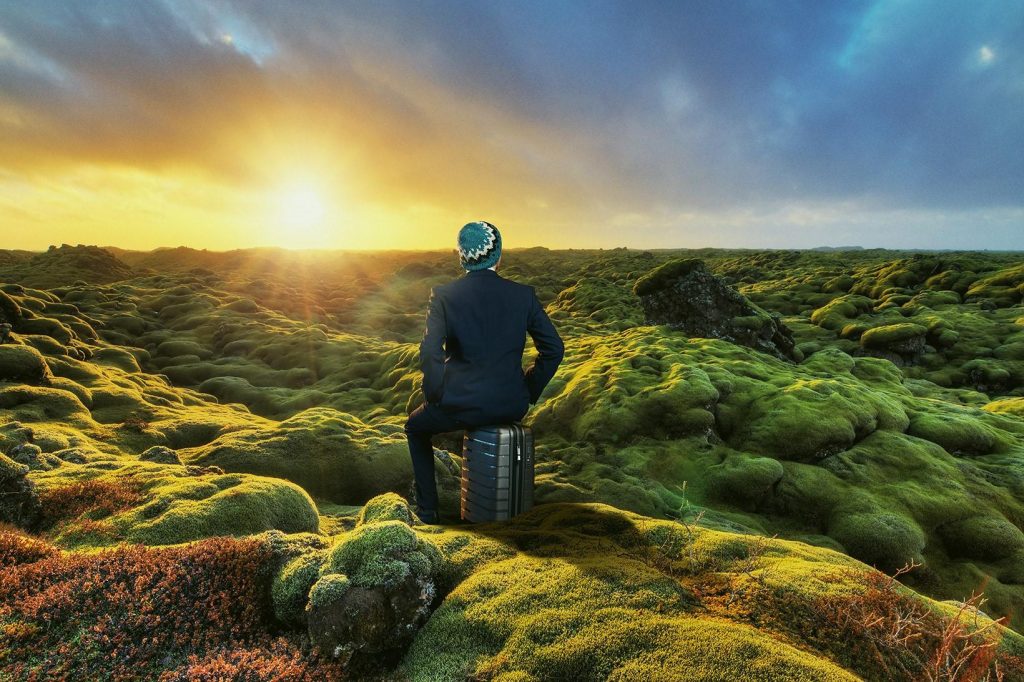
pixel 887 541
pixel 327 452
pixel 591 592
pixel 987 538
pixel 891 335
pixel 382 554
pixel 387 507
pixel 171 505
pixel 23 364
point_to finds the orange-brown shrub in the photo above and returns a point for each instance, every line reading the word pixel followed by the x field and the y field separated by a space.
pixel 96 497
pixel 132 612
pixel 18 547
pixel 880 633
pixel 280 660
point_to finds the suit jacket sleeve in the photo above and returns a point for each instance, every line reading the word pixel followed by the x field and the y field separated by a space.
pixel 550 349
pixel 432 349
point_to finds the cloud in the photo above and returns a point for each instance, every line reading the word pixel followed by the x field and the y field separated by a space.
pixel 556 113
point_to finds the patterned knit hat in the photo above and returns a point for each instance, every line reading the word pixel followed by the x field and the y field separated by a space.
pixel 479 245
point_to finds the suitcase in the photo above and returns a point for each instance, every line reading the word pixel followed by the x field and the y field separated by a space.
pixel 497 472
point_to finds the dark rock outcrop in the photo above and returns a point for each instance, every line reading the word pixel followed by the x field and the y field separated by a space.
pixel 685 295
pixel 33 457
pixel 901 344
pixel 19 504
pixel 160 454
pixel 377 587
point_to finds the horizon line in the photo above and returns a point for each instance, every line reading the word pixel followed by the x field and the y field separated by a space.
pixel 821 247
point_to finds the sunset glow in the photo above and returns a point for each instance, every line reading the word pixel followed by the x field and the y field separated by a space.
pixel 167 123
pixel 303 216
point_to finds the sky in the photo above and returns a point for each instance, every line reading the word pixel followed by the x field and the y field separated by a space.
pixel 363 125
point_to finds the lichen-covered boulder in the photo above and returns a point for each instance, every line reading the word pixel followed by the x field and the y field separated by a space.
pixel 19 504
pixel 33 457
pixel 902 343
pixel 376 588
pixel 161 455
pixel 685 295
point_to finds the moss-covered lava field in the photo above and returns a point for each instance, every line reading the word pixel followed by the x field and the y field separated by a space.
pixel 204 474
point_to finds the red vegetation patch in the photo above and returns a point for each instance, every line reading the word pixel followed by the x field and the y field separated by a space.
pixel 97 498
pixel 882 630
pixel 278 661
pixel 17 547
pixel 132 612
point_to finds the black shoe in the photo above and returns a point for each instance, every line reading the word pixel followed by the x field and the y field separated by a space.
pixel 428 516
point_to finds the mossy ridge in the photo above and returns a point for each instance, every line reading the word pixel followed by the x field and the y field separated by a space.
pixel 330 453
pixel 866 481
pixel 576 597
pixel 179 506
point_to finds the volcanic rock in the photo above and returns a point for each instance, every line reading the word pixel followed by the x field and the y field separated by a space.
pixel 19 504
pixel 683 294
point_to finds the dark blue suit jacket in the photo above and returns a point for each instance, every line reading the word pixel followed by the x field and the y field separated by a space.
pixel 482 320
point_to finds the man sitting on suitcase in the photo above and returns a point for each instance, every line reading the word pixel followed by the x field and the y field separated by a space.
pixel 472 353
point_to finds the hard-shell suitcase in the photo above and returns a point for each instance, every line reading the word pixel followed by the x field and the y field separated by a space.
pixel 497 472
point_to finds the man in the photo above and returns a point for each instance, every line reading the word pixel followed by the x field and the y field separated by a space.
pixel 472 355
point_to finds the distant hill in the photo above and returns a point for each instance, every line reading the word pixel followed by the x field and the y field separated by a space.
pixel 63 265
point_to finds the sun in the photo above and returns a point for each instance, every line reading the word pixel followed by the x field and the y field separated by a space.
pixel 301 206
pixel 303 212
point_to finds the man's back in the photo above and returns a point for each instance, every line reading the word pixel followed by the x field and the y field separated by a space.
pixel 481 319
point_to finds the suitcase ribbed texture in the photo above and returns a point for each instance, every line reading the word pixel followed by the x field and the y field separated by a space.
pixel 497 472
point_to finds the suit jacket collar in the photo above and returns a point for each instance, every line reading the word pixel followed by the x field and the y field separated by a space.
pixel 484 272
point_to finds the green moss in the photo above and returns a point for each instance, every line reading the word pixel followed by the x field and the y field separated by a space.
pixel 23 364
pixel 633 417
pixel 667 272
pixel 382 554
pixel 618 390
pixel 9 469
pixel 959 431
pixel 83 394
pixel 837 313
pixel 579 603
pixel 621 644
pixel 246 505
pixel 328 589
pixel 1014 406
pixel 175 348
pixel 330 453
pixel 743 481
pixel 178 507
pixel 890 334
pixel 386 507
pixel 813 418
pixel 885 540
pixel 592 305
pixel 292 584
pixel 118 358
pixel 988 538
pixel 46 326
pixel 44 404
